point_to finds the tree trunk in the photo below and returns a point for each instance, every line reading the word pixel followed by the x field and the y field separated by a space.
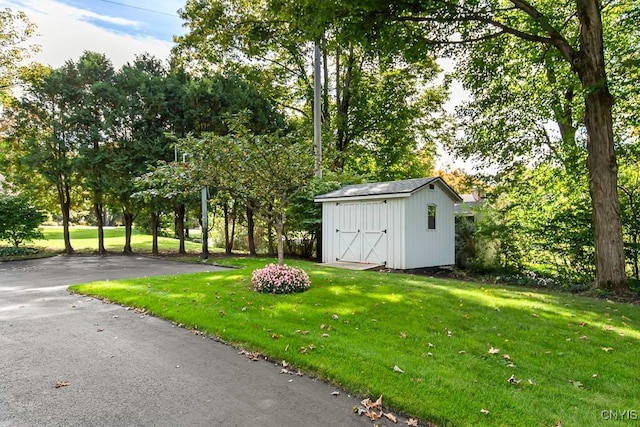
pixel 64 197
pixel 636 269
pixel 97 208
pixel 229 228
pixel 319 244
pixel 342 114
pixel 279 226
pixel 155 220
pixel 251 232
pixel 601 157
pixel 128 226
pixel 180 214
pixel 326 115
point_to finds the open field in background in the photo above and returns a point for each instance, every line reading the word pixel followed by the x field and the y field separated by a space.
pixel 470 353
pixel 85 239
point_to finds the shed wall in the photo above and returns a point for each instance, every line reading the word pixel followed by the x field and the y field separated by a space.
pixel 424 247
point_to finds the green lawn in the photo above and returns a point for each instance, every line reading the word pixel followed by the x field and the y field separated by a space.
pixel 573 357
pixel 85 239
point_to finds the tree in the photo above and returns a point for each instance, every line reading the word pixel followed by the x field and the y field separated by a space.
pixel 369 126
pixel 207 104
pixel 540 216
pixel 137 125
pixel 95 84
pixel 404 25
pixel 265 171
pixel 167 186
pixel 15 30
pixel 19 219
pixel 41 133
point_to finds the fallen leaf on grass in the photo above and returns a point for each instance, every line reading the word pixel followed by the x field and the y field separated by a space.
pixel 378 403
pixel 367 403
pixel 403 334
pixel 391 417
pixel 484 411
pixel 534 315
pixel 373 416
pixel 607 349
pixel 59 384
pixel 358 410
pixel 254 356
pixel 513 380
pixel 411 422
pixel 396 368
pixel 494 350
pixel 584 337
pixel 275 336
pixel 334 317
pixel 506 357
pixel 532 382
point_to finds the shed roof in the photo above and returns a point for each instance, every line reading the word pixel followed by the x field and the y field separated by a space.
pixel 402 188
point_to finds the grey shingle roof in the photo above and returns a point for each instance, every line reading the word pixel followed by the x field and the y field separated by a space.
pixel 378 188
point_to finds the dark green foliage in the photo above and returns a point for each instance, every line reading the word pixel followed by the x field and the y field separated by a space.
pixel 19 219
pixel 13 251
pixel 538 219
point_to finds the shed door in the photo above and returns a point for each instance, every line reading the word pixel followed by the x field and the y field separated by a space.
pixel 362 234
pixel 349 237
pixel 374 233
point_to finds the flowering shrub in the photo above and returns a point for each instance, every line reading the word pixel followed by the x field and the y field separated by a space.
pixel 280 279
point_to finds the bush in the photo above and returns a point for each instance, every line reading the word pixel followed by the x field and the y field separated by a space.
pixel 19 219
pixel 280 279
pixel 13 251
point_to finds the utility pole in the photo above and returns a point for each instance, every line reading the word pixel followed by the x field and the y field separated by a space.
pixel 317 121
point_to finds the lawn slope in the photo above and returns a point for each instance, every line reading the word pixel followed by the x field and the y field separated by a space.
pixel 526 357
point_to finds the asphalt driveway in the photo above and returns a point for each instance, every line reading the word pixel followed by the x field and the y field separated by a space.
pixel 123 368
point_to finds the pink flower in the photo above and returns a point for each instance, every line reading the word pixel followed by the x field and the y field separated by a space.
pixel 280 279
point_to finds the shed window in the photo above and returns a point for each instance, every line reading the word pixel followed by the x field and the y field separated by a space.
pixel 431 217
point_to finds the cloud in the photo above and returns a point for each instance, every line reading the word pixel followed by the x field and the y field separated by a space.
pixel 65 32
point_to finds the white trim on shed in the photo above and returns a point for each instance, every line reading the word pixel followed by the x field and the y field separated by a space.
pixel 387 223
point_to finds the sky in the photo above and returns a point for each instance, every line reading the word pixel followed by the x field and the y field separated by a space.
pixel 122 29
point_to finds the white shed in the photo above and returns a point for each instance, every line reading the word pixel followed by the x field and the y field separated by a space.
pixel 401 224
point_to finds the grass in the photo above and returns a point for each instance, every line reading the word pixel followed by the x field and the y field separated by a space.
pixel 85 240
pixel 574 357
